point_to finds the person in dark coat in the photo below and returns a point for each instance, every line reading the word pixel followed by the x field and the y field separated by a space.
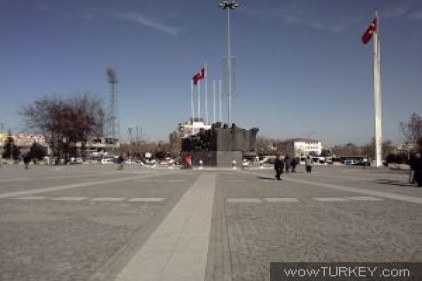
pixel 279 166
pixel 293 164
pixel 27 160
pixel 287 162
pixel 120 161
pixel 416 167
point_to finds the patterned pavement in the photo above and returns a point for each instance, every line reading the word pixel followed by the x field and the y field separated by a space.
pixel 97 223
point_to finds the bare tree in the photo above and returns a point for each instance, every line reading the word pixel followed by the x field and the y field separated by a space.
pixel 412 130
pixel 89 118
pixel 264 146
pixel 369 148
pixel 348 149
pixel 65 122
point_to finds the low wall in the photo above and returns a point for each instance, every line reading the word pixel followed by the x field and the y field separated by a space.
pixel 401 167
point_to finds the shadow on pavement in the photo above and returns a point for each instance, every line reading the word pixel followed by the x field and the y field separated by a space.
pixel 266 178
pixel 394 182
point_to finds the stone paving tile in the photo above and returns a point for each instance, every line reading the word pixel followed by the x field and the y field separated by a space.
pixel 350 228
pixel 70 242
pixel 105 199
pixel 365 198
pixel 288 199
pixel 32 198
pixel 57 240
pixel 260 234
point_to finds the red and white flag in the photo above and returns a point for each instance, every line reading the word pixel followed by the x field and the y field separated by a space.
pixel 366 37
pixel 198 76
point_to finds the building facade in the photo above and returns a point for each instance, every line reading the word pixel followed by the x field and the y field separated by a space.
pixel 300 147
pixel 23 140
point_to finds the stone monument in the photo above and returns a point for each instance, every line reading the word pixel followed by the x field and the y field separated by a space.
pixel 220 145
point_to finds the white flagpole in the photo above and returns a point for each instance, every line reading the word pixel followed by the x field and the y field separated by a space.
pixel 220 118
pixel 199 100
pixel 206 121
pixel 377 96
pixel 192 107
pixel 213 119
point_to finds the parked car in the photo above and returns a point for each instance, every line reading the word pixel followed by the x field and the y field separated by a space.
pixel 107 161
pixel 130 161
pixel 167 161
pixel 78 160
pixel 350 162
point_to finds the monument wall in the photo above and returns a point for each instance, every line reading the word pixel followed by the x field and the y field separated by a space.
pixel 220 145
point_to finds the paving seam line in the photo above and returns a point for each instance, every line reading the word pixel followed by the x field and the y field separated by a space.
pixel 58 188
pixel 388 195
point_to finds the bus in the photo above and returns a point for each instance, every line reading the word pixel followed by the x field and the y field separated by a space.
pixel 355 160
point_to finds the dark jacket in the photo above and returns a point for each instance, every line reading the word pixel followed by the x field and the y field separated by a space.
pixel 27 159
pixel 416 164
pixel 279 164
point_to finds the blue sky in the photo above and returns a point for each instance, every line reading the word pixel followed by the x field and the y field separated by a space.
pixel 301 69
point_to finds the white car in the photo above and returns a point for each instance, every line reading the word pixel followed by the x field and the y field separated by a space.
pixel 107 161
pixel 350 162
pixel 167 161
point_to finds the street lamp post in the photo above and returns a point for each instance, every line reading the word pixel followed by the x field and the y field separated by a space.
pixel 229 5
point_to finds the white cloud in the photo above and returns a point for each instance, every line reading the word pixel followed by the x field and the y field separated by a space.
pixel 147 22
pixel 67 14
pixel 90 14
pixel 403 11
pixel 297 20
pixel 293 17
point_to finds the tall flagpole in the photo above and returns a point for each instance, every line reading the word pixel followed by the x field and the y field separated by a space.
pixel 206 121
pixel 213 84
pixel 220 118
pixel 199 100
pixel 229 66
pixel 377 96
pixel 192 107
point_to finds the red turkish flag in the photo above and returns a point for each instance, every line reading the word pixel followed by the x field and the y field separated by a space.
pixel 198 76
pixel 366 37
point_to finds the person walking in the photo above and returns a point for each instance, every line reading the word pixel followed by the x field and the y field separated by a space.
pixel 120 161
pixel 279 167
pixel 308 164
pixel 188 161
pixel 416 168
pixel 27 160
pixel 293 164
pixel 287 162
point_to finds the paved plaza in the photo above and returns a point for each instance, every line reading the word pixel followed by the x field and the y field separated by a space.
pixel 94 222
